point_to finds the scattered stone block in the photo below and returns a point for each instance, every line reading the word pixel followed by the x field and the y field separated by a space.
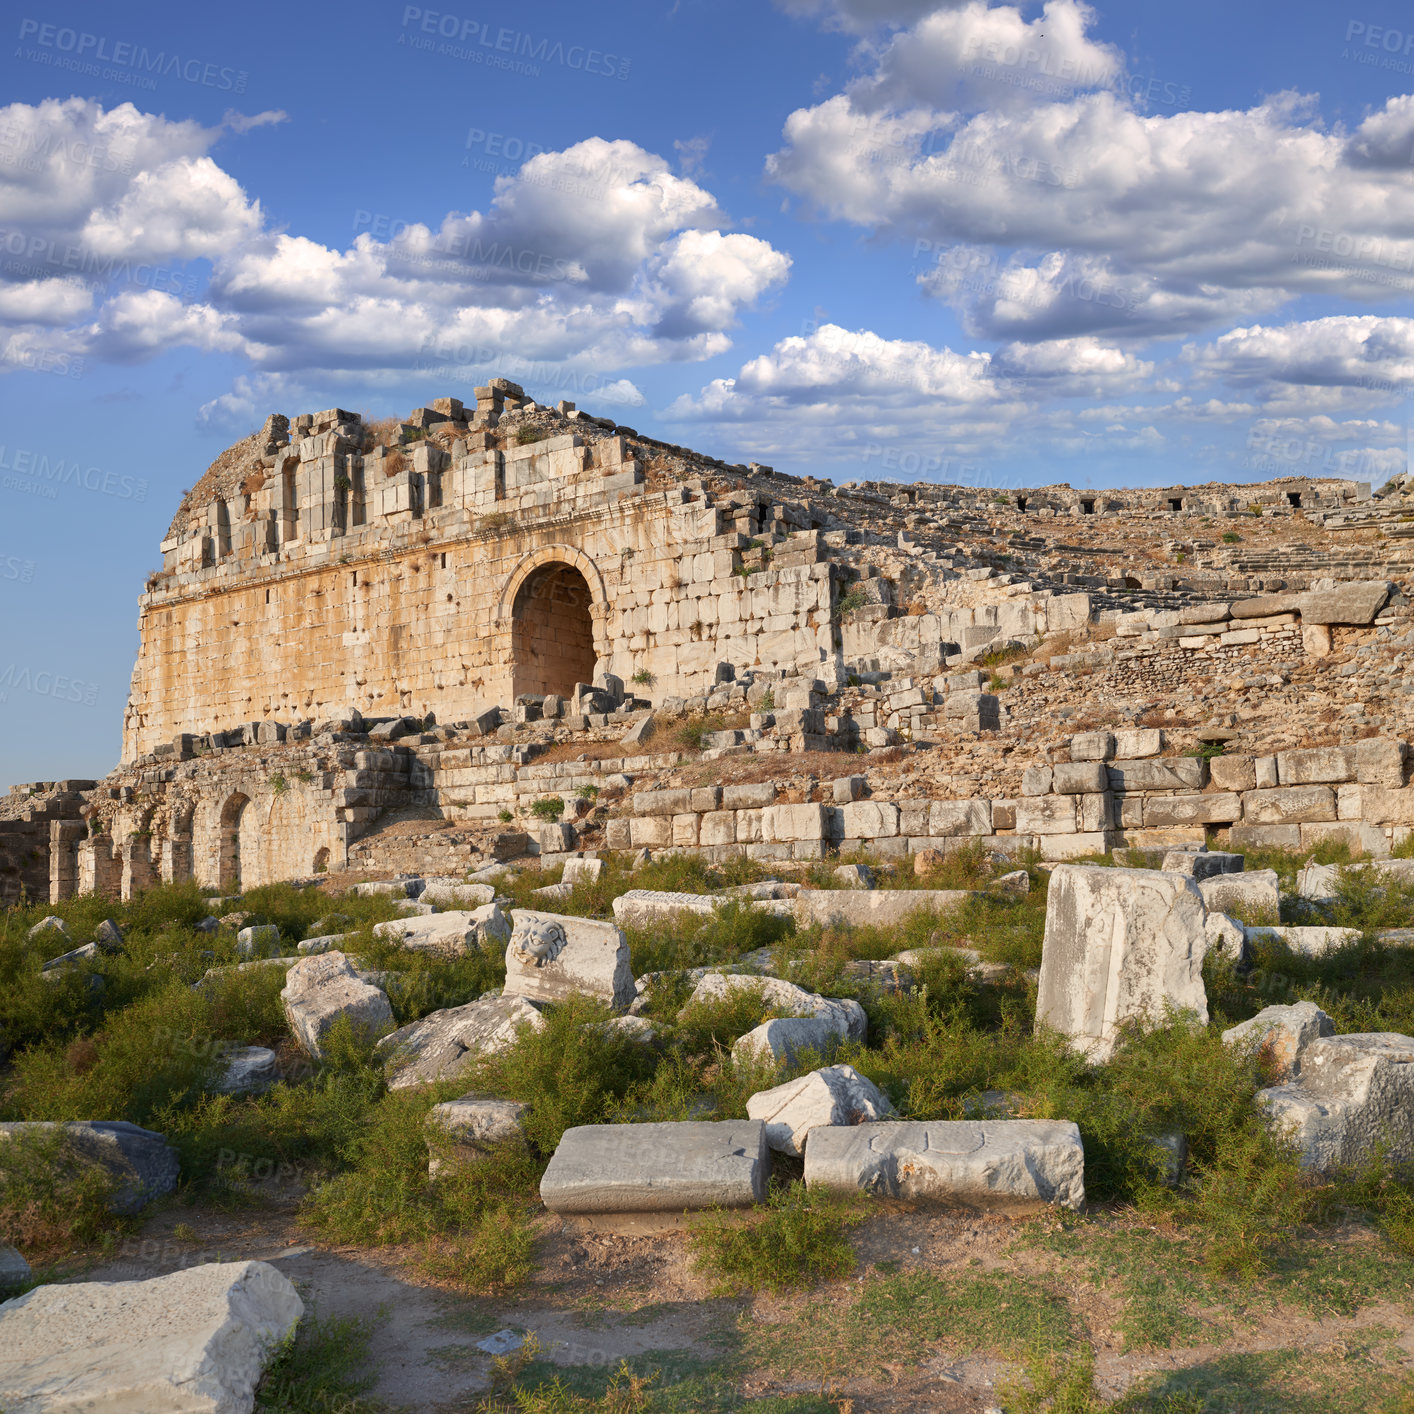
pixel 1015 881
pixel 837 1095
pixel 51 926
pixel 1256 892
pixel 855 876
pixel 1119 944
pixel 196 1341
pixel 108 936
pixel 605 1169
pixel 247 1070
pixel 844 1017
pixel 453 934
pixel 1308 942
pixel 552 956
pixel 1226 936
pixel 142 1164
pixel 441 1043
pixel 14 1270
pixel 641 908
pixel 319 990
pixel 1354 602
pixel 473 1124
pixel 1353 1097
pixel 1011 1165
pixel 457 894
pixel 252 941
pixel 1201 864
pixel 871 907
pixel 1281 1033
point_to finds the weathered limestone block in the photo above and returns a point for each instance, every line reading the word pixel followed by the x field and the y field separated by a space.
pixel 454 893
pixel 868 820
pixel 1135 743
pixel 1354 602
pixel 1280 1034
pixel 552 956
pixel 1037 780
pixel 453 934
pixel 1010 1165
pixel 1183 773
pixel 844 1015
pixel 141 1163
pixel 1161 811
pixel 1120 944
pixel 1379 761
pixel 785 1039
pixel 479 1121
pixel 1254 892
pixel 789 823
pixel 1200 864
pixel 1354 1096
pixel 877 907
pixel 1046 815
pixel 247 1070
pixel 1226 936
pixel 1229 773
pixel 319 990
pixel 1092 746
pixel 657 1168
pixel 1384 806
pixel 837 1095
pixel 1288 805
pixel 51 927
pixel 950 818
pixel 640 908
pixel 194 1342
pixel 1315 765
pixel 257 939
pixel 1080 777
pixel 441 1043
pixel 1308 942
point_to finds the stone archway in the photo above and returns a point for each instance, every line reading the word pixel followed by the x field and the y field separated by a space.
pixel 552 630
pixel 321 860
pixel 234 814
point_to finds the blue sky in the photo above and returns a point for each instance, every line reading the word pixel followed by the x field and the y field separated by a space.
pixel 1133 244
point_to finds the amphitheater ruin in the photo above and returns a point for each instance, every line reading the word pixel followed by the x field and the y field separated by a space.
pixel 377 646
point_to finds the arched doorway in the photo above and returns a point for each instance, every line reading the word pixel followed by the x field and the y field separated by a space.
pixel 321 860
pixel 232 815
pixel 552 631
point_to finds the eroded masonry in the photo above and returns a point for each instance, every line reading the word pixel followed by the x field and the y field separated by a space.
pixel 512 629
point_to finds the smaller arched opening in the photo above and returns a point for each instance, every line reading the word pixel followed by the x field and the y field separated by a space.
pixel 552 631
pixel 321 860
pixel 1130 582
pixel 233 814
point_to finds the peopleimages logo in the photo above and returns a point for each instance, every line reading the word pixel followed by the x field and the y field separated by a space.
pixel 96 54
pixel 484 43
pixel 47 684
pixel 34 472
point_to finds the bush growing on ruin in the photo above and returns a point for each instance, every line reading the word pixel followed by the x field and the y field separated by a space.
pixel 548 807
pixel 50 1199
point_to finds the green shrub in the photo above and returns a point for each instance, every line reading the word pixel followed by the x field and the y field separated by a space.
pixel 50 1198
pixel 317 1369
pixel 796 1239
pixel 548 807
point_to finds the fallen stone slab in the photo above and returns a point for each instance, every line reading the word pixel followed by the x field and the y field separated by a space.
pixel 453 934
pixel 75 957
pixel 141 1163
pixel 330 943
pixel 247 1070
pixel 1354 602
pixel 1202 864
pixel 108 936
pixel 194 1342
pixel 1308 942
pixel 14 1270
pixel 391 888
pixel 662 1169
pixel 843 1015
pixel 320 990
pixel 1317 882
pixel 448 892
pixel 553 956
pixel 441 1043
pixel 641 908
pixel 837 1095
pixel 1010 1165
pixel 1119 945
pixel 1353 1098
pixel 878 908
pixel 1254 892
pixel 1281 1033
